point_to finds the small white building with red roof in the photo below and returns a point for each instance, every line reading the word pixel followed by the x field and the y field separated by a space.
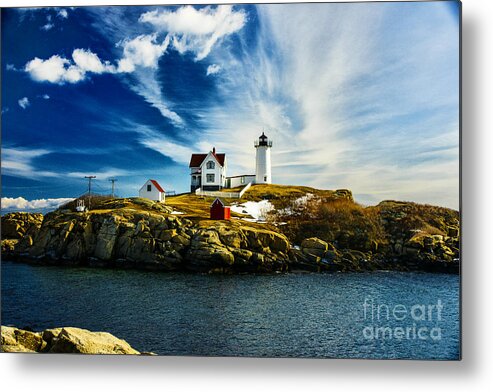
pixel 153 191
pixel 208 171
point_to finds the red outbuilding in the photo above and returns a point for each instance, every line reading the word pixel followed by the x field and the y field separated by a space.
pixel 219 210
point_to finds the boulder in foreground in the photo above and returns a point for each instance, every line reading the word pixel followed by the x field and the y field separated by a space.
pixel 63 340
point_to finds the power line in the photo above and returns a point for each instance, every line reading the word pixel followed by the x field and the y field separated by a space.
pixel 90 179
pixel 113 186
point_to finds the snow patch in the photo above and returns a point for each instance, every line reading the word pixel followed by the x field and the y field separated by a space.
pixel 296 204
pixel 258 210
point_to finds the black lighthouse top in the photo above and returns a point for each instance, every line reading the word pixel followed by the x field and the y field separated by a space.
pixel 263 141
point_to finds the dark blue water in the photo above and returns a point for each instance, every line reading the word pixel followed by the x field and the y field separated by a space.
pixel 290 315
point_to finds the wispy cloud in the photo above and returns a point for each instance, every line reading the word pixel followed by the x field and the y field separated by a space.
pixel 213 69
pixel 353 108
pixel 146 84
pixel 62 13
pixel 47 26
pixel 155 139
pixel 24 102
pixel 196 30
pixel 19 162
pixel 141 56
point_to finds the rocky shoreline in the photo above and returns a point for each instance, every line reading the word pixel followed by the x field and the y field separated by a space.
pixel 151 237
pixel 63 341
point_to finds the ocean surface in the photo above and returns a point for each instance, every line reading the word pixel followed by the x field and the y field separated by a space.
pixel 341 315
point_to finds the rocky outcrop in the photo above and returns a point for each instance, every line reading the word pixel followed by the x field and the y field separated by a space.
pixel 127 237
pixel 152 240
pixel 422 252
pixel 63 340
pixel 232 247
pixel 333 236
pixel 16 225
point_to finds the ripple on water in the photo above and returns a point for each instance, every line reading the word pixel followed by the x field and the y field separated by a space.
pixel 288 315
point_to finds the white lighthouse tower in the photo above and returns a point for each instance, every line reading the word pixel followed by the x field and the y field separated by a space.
pixel 263 173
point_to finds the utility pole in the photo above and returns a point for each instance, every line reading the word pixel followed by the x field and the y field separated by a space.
pixel 89 178
pixel 113 187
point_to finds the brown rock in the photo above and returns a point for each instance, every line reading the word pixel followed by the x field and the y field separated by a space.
pixel 76 340
pixel 314 246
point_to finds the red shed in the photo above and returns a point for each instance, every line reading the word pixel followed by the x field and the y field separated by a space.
pixel 219 210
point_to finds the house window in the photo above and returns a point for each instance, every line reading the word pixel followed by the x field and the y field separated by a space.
pixel 211 165
pixel 210 177
pixel 265 178
pixel 149 188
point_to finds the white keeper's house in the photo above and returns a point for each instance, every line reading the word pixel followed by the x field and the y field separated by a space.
pixel 208 171
pixel 153 191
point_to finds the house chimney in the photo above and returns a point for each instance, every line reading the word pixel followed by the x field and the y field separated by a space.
pixel 214 150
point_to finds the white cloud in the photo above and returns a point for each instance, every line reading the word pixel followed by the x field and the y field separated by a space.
pixel 24 102
pixel 47 26
pixel 141 51
pixel 45 96
pixel 60 70
pixel 21 204
pixel 52 70
pixel 62 13
pixel 19 162
pixel 74 74
pixel 196 30
pixel 10 67
pixel 87 61
pixel 213 69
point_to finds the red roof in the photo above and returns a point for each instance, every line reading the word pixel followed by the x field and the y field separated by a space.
pixel 220 158
pixel 197 159
pixel 156 184
pixel 221 201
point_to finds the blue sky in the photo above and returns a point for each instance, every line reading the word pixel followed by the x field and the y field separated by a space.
pixel 358 96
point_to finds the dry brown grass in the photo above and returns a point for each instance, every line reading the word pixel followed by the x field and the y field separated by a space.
pixel 192 205
pixel 409 216
pixel 341 221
